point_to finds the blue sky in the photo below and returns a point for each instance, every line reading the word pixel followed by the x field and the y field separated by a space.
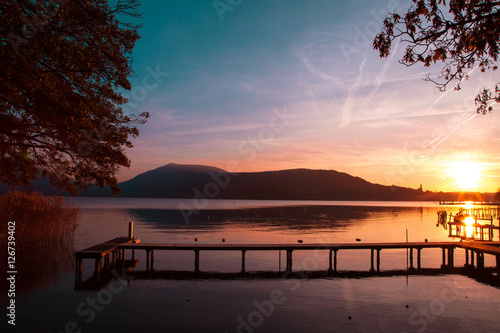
pixel 270 85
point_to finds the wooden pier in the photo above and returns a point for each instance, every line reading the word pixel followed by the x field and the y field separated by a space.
pixel 448 248
pixel 474 258
pixel 462 203
pixel 106 255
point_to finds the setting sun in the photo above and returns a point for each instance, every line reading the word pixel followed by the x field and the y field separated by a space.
pixel 466 174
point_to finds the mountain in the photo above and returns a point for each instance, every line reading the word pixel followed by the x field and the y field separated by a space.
pixel 189 181
pixel 199 181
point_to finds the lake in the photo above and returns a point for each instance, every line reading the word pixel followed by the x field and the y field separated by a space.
pixel 391 303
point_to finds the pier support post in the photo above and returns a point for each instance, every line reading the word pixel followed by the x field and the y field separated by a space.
pixel 148 256
pixel 289 260
pixel 332 267
pixel 372 260
pixel 98 264
pixel 480 260
pixel 197 261
pixel 451 260
pixel 330 259
pixel 335 260
pixel 411 259
pixel 378 260
pixel 498 263
pixel 419 259
pixel 444 257
pixel 78 270
pixel 243 261
pixel 113 259
pixel 466 257
pixel 472 257
pixel 152 260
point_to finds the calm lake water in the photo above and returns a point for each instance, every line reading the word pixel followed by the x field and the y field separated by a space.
pixel 434 303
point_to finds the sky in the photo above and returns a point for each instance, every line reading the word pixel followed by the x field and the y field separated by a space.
pixel 260 85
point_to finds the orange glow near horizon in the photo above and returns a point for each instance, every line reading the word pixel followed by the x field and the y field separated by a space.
pixel 467 174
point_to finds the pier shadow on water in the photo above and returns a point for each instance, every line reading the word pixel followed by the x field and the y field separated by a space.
pixel 125 271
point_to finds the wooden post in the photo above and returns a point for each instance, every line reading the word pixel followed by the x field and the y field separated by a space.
pixel 197 261
pixel 243 260
pixel 289 260
pixel 451 260
pixel 335 260
pixel 330 258
pixel 148 254
pixel 466 257
pixel 419 259
pixel 498 263
pixel 372 260
pixel 113 258
pixel 279 259
pixel 98 263
pixel 130 230
pixel 472 258
pixel 152 259
pixel 480 260
pixel 78 270
pixel 378 260
pixel 444 257
pixel 411 258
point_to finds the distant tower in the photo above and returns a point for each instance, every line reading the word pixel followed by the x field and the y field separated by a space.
pixel 420 187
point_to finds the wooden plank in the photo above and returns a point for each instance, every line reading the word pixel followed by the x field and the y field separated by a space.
pixel 100 250
pixel 482 247
pixel 267 247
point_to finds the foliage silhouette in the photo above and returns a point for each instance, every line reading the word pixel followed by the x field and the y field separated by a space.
pixel 466 37
pixel 62 65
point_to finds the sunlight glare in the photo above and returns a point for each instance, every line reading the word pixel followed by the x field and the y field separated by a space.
pixel 469 226
pixel 466 174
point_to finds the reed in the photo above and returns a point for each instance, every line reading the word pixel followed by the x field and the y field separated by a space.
pixel 40 220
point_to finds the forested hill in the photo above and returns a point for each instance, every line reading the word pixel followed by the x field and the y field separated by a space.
pixel 198 181
pixel 189 181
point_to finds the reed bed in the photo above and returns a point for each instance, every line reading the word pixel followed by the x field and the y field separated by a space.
pixel 44 235
pixel 40 219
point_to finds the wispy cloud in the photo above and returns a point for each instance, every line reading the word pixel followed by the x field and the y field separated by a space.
pixel 351 97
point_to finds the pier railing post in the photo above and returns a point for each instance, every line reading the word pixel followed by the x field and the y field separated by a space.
pixel 130 230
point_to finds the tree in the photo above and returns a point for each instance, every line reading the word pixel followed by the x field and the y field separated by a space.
pixel 62 65
pixel 466 37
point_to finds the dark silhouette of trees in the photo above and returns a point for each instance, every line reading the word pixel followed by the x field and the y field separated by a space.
pixel 62 65
pixel 462 34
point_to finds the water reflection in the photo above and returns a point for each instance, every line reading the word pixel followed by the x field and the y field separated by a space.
pixel 38 267
pixel 300 217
